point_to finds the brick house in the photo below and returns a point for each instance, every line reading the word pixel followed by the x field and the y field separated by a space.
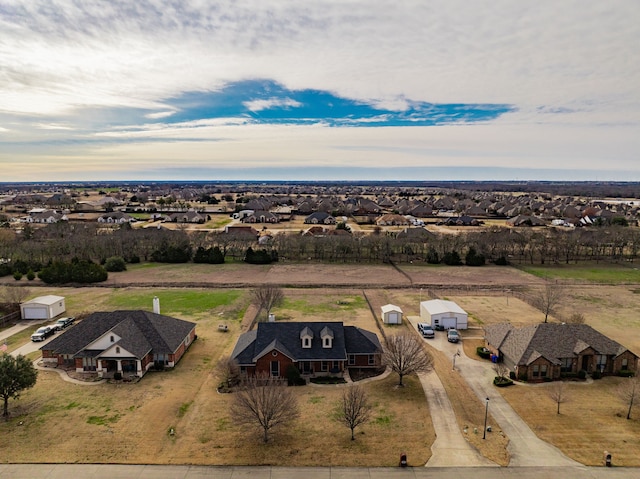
pixel 314 348
pixel 550 350
pixel 128 342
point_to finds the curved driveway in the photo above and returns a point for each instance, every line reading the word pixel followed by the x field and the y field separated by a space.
pixel 525 448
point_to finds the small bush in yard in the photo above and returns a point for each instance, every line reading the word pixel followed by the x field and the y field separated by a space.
pixel 625 373
pixel 483 352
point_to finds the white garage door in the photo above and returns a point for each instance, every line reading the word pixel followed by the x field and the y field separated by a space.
pixel 449 322
pixel 35 313
pixel 393 318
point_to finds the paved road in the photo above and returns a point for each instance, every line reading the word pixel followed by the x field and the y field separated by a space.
pixel 94 471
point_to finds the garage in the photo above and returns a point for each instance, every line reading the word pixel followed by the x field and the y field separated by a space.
pixel 391 314
pixel 43 307
pixel 441 314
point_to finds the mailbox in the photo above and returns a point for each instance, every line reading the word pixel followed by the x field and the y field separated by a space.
pixel 607 459
pixel 403 460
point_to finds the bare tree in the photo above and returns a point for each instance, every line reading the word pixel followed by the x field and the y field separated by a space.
pixel 354 410
pixel 501 370
pixel 405 354
pixel 264 403
pixel 576 318
pixel 228 371
pixel 14 295
pixel 629 392
pixel 549 298
pixel 559 393
pixel 267 296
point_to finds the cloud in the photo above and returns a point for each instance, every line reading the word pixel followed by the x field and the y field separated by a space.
pixel 558 75
pixel 259 105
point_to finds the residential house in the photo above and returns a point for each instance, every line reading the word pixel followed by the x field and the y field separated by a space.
pixel 391 219
pixel 127 342
pixel 190 216
pixel 550 350
pixel 116 217
pixel 261 216
pixel 320 218
pixel 314 348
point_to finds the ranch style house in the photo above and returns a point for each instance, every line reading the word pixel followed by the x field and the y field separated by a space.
pixel 127 342
pixel 551 350
pixel 314 348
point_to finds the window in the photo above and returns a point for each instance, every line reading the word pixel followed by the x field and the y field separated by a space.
pixel 307 342
pixel 275 369
pixel 327 342
pixel 112 338
pixel 324 366
pixel 352 359
pixel 625 363
pixel 372 360
pixel 601 361
pixel 336 366
pixel 566 365
pixel 543 370
pixel 536 370
pixel 117 349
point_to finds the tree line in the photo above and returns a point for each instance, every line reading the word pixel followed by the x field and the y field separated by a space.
pixel 65 242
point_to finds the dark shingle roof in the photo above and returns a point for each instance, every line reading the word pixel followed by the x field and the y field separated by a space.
pixel 286 338
pixel 140 331
pixel 549 340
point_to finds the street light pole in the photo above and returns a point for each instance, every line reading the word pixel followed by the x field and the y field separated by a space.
pixel 486 413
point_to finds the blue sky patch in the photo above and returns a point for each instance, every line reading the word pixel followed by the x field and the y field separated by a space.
pixel 267 102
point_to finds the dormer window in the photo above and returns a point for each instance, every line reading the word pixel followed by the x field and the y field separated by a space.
pixel 112 338
pixel 306 335
pixel 327 337
pixel 117 349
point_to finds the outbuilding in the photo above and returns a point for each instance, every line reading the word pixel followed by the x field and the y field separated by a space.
pixel 43 307
pixel 391 314
pixel 440 313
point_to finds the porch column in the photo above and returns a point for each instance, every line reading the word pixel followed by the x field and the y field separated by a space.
pixel 119 365
pixel 138 367
pixel 99 367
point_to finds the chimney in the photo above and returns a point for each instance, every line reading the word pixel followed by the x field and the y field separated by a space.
pixel 156 305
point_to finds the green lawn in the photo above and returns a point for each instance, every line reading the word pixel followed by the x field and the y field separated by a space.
pixel 184 302
pixel 605 273
pixel 347 303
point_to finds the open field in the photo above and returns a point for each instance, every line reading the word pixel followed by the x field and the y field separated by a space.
pixel 129 422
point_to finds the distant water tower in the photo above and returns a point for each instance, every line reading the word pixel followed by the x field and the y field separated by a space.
pixel 156 305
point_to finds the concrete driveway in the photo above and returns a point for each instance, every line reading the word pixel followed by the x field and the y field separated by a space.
pixel 525 448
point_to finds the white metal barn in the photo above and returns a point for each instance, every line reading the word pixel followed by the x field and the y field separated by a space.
pixel 391 314
pixel 43 307
pixel 447 314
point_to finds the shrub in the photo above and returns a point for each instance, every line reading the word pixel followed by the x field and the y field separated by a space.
pixel 474 258
pixel 501 261
pixel 432 256
pixel 502 382
pixel 5 269
pixel 117 375
pixel 293 376
pixel 522 376
pixel 452 258
pixel 582 374
pixel 483 352
pixel 115 263
pixel 625 373
pixel 547 379
pixel 17 275
pixel 596 375
pixel 512 375
pixel 78 271
pixel 31 275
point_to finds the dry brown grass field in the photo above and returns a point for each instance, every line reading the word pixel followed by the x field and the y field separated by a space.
pixel 130 422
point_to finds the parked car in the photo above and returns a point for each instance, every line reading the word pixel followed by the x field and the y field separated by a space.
pixel 453 336
pixel 428 332
pixel 63 323
pixel 42 333
pixel 421 327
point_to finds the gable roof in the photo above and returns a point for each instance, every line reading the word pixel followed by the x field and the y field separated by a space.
pixel 549 340
pixel 286 338
pixel 141 331
pixel 439 306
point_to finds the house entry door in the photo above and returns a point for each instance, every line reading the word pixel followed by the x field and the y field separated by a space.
pixel 585 363
pixel 306 367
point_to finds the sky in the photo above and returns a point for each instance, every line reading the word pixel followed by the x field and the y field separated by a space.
pixel 319 90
